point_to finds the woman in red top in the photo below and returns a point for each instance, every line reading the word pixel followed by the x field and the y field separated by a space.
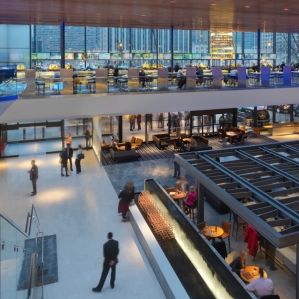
pixel 192 196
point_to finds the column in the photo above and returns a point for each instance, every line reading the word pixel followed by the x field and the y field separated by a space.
pixel 291 112
pixel 97 137
pixel 120 128
pixel 171 46
pixel 289 49
pixel 62 44
pixel 259 50
pixel 200 203
pixel 297 271
pixel 255 117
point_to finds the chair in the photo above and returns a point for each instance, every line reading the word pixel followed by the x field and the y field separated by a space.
pixel 240 141
pixel 226 228
pixel 137 143
pixel 238 222
pixel 201 226
pixel 270 297
pixel 191 210
pixel 175 147
pixel 256 131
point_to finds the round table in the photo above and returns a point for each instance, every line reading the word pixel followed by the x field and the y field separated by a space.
pixel 187 140
pixel 178 195
pixel 250 273
pixel 230 135
pixel 213 232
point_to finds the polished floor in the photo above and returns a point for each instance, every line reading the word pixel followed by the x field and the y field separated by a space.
pixel 80 209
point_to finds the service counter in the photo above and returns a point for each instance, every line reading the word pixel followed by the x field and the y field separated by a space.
pixel 283 128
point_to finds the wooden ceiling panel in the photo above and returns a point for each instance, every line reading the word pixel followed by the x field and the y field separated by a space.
pixel 236 15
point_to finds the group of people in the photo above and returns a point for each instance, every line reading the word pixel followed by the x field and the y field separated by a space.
pixel 188 146
pixel 137 119
pixel 66 156
pixel 262 286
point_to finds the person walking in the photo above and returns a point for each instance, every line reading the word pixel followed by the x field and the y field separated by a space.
pixel 126 196
pixel 78 160
pixel 69 154
pixel 138 118
pixel 111 251
pixel 63 161
pixel 33 176
pixel 132 122
pixel 87 137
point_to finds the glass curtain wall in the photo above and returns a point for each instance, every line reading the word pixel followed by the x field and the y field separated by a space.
pixel 133 47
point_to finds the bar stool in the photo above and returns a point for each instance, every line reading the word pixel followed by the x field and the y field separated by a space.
pixel 40 85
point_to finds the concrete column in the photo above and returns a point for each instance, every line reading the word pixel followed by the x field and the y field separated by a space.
pixel 97 137
pixel 200 203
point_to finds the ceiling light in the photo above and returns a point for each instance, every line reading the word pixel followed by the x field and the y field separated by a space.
pixel 247 6
pixel 213 4
pixel 143 15
pixel 285 9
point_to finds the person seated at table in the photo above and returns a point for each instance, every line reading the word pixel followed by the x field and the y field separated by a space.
pixel 239 137
pixel 115 74
pixel 181 78
pixel 192 196
pixel 199 73
pixel 261 286
pixel 238 263
pixel 179 142
pixel 113 144
pixel 142 77
pixel 128 146
pixel 192 144
pixel 176 67
pixel 182 184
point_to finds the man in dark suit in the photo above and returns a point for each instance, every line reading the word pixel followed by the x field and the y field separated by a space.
pixel 110 254
pixel 69 154
pixel 33 176
pixel 238 263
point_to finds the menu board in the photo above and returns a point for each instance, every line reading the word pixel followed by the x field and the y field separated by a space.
pixel 115 56
pixel 196 56
pixel 167 56
pixel 55 55
pixel 126 56
pixel 43 55
pixel 187 56
pixel 137 56
pixel 33 56
pixel 80 56
pixel 147 56
pixel 104 55
pixel 68 56
pixel 206 56
pixel 92 56
pixel 177 56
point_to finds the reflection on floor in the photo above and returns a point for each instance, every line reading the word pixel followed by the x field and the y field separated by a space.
pixel 38 147
pixel 80 209
pixel 162 170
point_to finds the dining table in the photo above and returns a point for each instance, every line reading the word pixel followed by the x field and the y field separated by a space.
pixel 213 232
pixel 178 196
pixel 250 273
pixel 231 135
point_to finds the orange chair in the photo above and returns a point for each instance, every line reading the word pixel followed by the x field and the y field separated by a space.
pixel 226 228
pixel 256 131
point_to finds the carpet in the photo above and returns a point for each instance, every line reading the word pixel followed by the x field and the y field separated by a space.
pixel 50 261
pixel 151 152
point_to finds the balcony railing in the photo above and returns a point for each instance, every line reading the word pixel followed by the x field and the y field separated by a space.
pixel 156 81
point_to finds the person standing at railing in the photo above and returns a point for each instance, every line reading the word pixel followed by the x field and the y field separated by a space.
pixel 33 176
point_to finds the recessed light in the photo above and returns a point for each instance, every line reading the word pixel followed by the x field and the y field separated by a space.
pixel 213 4
pixel 143 15
pixel 247 6
pixel 285 9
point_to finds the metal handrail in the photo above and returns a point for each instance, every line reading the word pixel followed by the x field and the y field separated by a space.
pixel 31 217
pixel 42 263
pixel 31 273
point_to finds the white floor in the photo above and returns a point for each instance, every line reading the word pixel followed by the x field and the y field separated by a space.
pixel 80 210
